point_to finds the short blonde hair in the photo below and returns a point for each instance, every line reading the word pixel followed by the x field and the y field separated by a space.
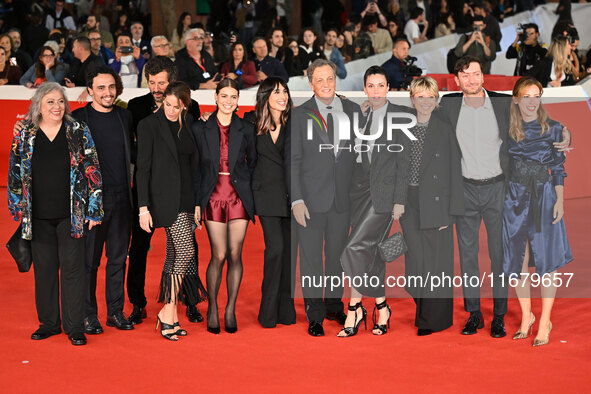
pixel 424 83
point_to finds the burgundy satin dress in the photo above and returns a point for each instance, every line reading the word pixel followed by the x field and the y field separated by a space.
pixel 224 204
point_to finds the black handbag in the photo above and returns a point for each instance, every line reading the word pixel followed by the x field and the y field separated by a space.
pixel 391 248
pixel 20 249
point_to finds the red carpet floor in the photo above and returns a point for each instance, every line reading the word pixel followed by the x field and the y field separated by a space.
pixel 286 359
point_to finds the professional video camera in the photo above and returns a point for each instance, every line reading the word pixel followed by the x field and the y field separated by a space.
pixel 409 71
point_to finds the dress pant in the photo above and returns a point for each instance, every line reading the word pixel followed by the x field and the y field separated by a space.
pixel 277 304
pixel 328 232
pixel 57 256
pixel 112 234
pixel 482 203
pixel 430 251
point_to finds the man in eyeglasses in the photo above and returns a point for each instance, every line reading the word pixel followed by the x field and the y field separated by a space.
pixel 526 49
pixel 196 67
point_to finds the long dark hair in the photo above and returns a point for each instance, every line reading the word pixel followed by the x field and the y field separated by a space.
pixel 231 56
pixel 179 25
pixel 315 45
pixel 264 119
pixel 182 92
pixel 40 67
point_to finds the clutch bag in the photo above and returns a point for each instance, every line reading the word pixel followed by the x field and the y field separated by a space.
pixel 20 249
pixel 393 247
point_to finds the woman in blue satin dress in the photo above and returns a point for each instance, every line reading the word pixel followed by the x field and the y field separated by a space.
pixel 534 205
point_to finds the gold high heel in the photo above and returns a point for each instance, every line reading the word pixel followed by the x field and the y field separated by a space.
pixel 541 342
pixel 523 335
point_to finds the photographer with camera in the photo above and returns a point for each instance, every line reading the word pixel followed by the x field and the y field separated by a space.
pixel 399 68
pixel 477 44
pixel 526 49
pixel 128 62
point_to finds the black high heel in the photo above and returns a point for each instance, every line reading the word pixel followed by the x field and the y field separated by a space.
pixel 213 330
pixel 351 331
pixel 382 327
pixel 164 327
pixel 180 332
pixel 230 329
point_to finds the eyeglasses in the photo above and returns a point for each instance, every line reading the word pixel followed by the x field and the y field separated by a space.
pixel 292 46
pixel 95 39
pixel 199 38
pixel 161 45
pixel 48 55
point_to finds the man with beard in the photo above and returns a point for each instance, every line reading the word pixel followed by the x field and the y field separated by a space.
pixel 93 23
pixel 110 129
pixel 159 72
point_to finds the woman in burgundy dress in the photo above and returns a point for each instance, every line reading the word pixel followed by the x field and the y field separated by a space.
pixel 227 158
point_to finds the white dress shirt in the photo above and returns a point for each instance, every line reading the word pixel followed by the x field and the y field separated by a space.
pixel 479 139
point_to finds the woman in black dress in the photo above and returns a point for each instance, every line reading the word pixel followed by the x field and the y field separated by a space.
pixel 167 178
pixel 227 158
pixel 269 188
pixel 435 193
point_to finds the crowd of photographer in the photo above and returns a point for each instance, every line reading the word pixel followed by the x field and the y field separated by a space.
pixel 248 42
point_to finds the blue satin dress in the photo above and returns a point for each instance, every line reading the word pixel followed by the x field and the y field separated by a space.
pixel 529 203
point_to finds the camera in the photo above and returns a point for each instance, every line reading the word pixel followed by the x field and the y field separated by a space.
pixel 521 32
pixel 409 71
pixel 126 50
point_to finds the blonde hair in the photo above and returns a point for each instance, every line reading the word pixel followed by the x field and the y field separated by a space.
pixel 515 128
pixel 557 52
pixel 424 83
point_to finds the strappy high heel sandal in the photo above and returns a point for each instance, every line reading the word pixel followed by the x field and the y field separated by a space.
pixel 545 341
pixel 523 335
pixel 351 331
pixel 375 317
pixel 164 327
pixel 180 332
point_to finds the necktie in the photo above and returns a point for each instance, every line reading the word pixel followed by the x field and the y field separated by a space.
pixel 365 154
pixel 330 127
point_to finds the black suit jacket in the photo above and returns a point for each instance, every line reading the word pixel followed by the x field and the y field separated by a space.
pixel 441 191
pixel 452 103
pixel 158 174
pixel 125 119
pixel 241 159
pixel 317 176
pixel 388 171
pixel 269 186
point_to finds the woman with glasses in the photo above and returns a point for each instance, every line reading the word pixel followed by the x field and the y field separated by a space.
pixel 45 69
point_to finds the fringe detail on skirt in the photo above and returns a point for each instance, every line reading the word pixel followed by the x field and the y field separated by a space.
pixel 187 288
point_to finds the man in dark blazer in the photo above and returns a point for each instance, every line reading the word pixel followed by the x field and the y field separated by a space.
pixel 266 65
pixel 110 129
pixel 321 168
pixel 485 170
pixel 195 65
pixel 159 71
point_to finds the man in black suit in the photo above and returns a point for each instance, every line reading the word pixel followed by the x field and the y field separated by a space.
pixel 481 122
pixel 159 72
pixel 110 128
pixel 321 168
pixel 84 63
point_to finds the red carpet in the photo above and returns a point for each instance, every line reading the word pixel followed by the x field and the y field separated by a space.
pixel 287 359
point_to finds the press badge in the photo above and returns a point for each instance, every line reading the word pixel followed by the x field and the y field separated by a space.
pixel 206 75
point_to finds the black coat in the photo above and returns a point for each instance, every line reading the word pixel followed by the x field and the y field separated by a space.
pixel 542 71
pixel 124 116
pixel 190 72
pixel 318 177
pixel 441 190
pixel 452 103
pixel 269 186
pixel 241 159
pixel 158 174
pixel 388 175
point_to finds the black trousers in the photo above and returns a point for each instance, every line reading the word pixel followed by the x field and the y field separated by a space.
pixel 482 203
pixel 430 251
pixel 277 304
pixel 56 255
pixel 138 256
pixel 112 235
pixel 325 232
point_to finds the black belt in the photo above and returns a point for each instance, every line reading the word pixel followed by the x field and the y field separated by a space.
pixel 529 174
pixel 483 182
